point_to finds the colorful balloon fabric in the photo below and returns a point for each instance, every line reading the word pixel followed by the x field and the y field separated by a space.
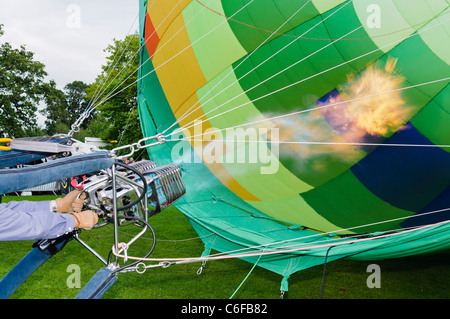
pixel 344 107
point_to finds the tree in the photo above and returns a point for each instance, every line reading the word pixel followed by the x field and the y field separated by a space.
pixel 77 100
pixel 64 107
pixel 22 88
pixel 114 94
pixel 55 110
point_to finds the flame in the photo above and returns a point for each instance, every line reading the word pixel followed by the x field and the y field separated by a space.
pixel 379 114
pixel 361 109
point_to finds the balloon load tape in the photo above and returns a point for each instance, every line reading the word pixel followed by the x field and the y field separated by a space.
pixel 141 190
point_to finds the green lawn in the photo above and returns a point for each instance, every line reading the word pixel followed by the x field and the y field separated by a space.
pixel 422 277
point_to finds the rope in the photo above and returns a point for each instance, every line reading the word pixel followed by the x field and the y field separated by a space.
pixel 289 44
pixel 141 65
pixel 295 83
pixel 310 38
pixel 75 126
pixel 187 113
pixel 323 274
pixel 250 71
pixel 303 246
pixel 334 232
pixel 168 60
pixel 321 143
pixel 246 277
pixel 98 90
pixel 307 110
pixel 92 106
pixel 139 50
pixel 165 262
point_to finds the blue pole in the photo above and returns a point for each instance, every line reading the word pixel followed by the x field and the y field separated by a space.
pixel 98 285
pixel 32 261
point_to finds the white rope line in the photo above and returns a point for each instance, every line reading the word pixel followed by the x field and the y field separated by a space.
pixel 118 85
pixel 189 112
pixel 284 241
pixel 320 143
pixel 98 90
pixel 334 232
pixel 253 69
pixel 108 96
pixel 312 109
pixel 139 50
pixel 226 255
pixel 250 71
pixel 314 247
pixel 280 251
pixel 96 96
pixel 89 108
pixel 285 69
pixel 174 56
pixel 295 83
pixel 126 126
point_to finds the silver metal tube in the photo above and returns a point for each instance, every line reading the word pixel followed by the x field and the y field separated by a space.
pixel 77 238
pixel 115 212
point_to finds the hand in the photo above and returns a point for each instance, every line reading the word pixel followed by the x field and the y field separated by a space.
pixel 71 202
pixel 85 219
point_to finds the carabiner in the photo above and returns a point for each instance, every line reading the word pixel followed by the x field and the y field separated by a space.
pixel 160 139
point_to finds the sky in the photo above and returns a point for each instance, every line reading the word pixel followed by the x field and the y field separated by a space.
pixel 68 36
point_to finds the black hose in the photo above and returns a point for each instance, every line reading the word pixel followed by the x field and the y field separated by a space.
pixel 324 268
pixel 144 181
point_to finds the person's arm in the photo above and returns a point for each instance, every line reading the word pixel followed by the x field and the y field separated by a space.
pixel 28 205
pixel 28 220
pixel 31 221
pixel 72 202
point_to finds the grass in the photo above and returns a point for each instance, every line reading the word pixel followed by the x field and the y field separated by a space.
pixel 420 277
